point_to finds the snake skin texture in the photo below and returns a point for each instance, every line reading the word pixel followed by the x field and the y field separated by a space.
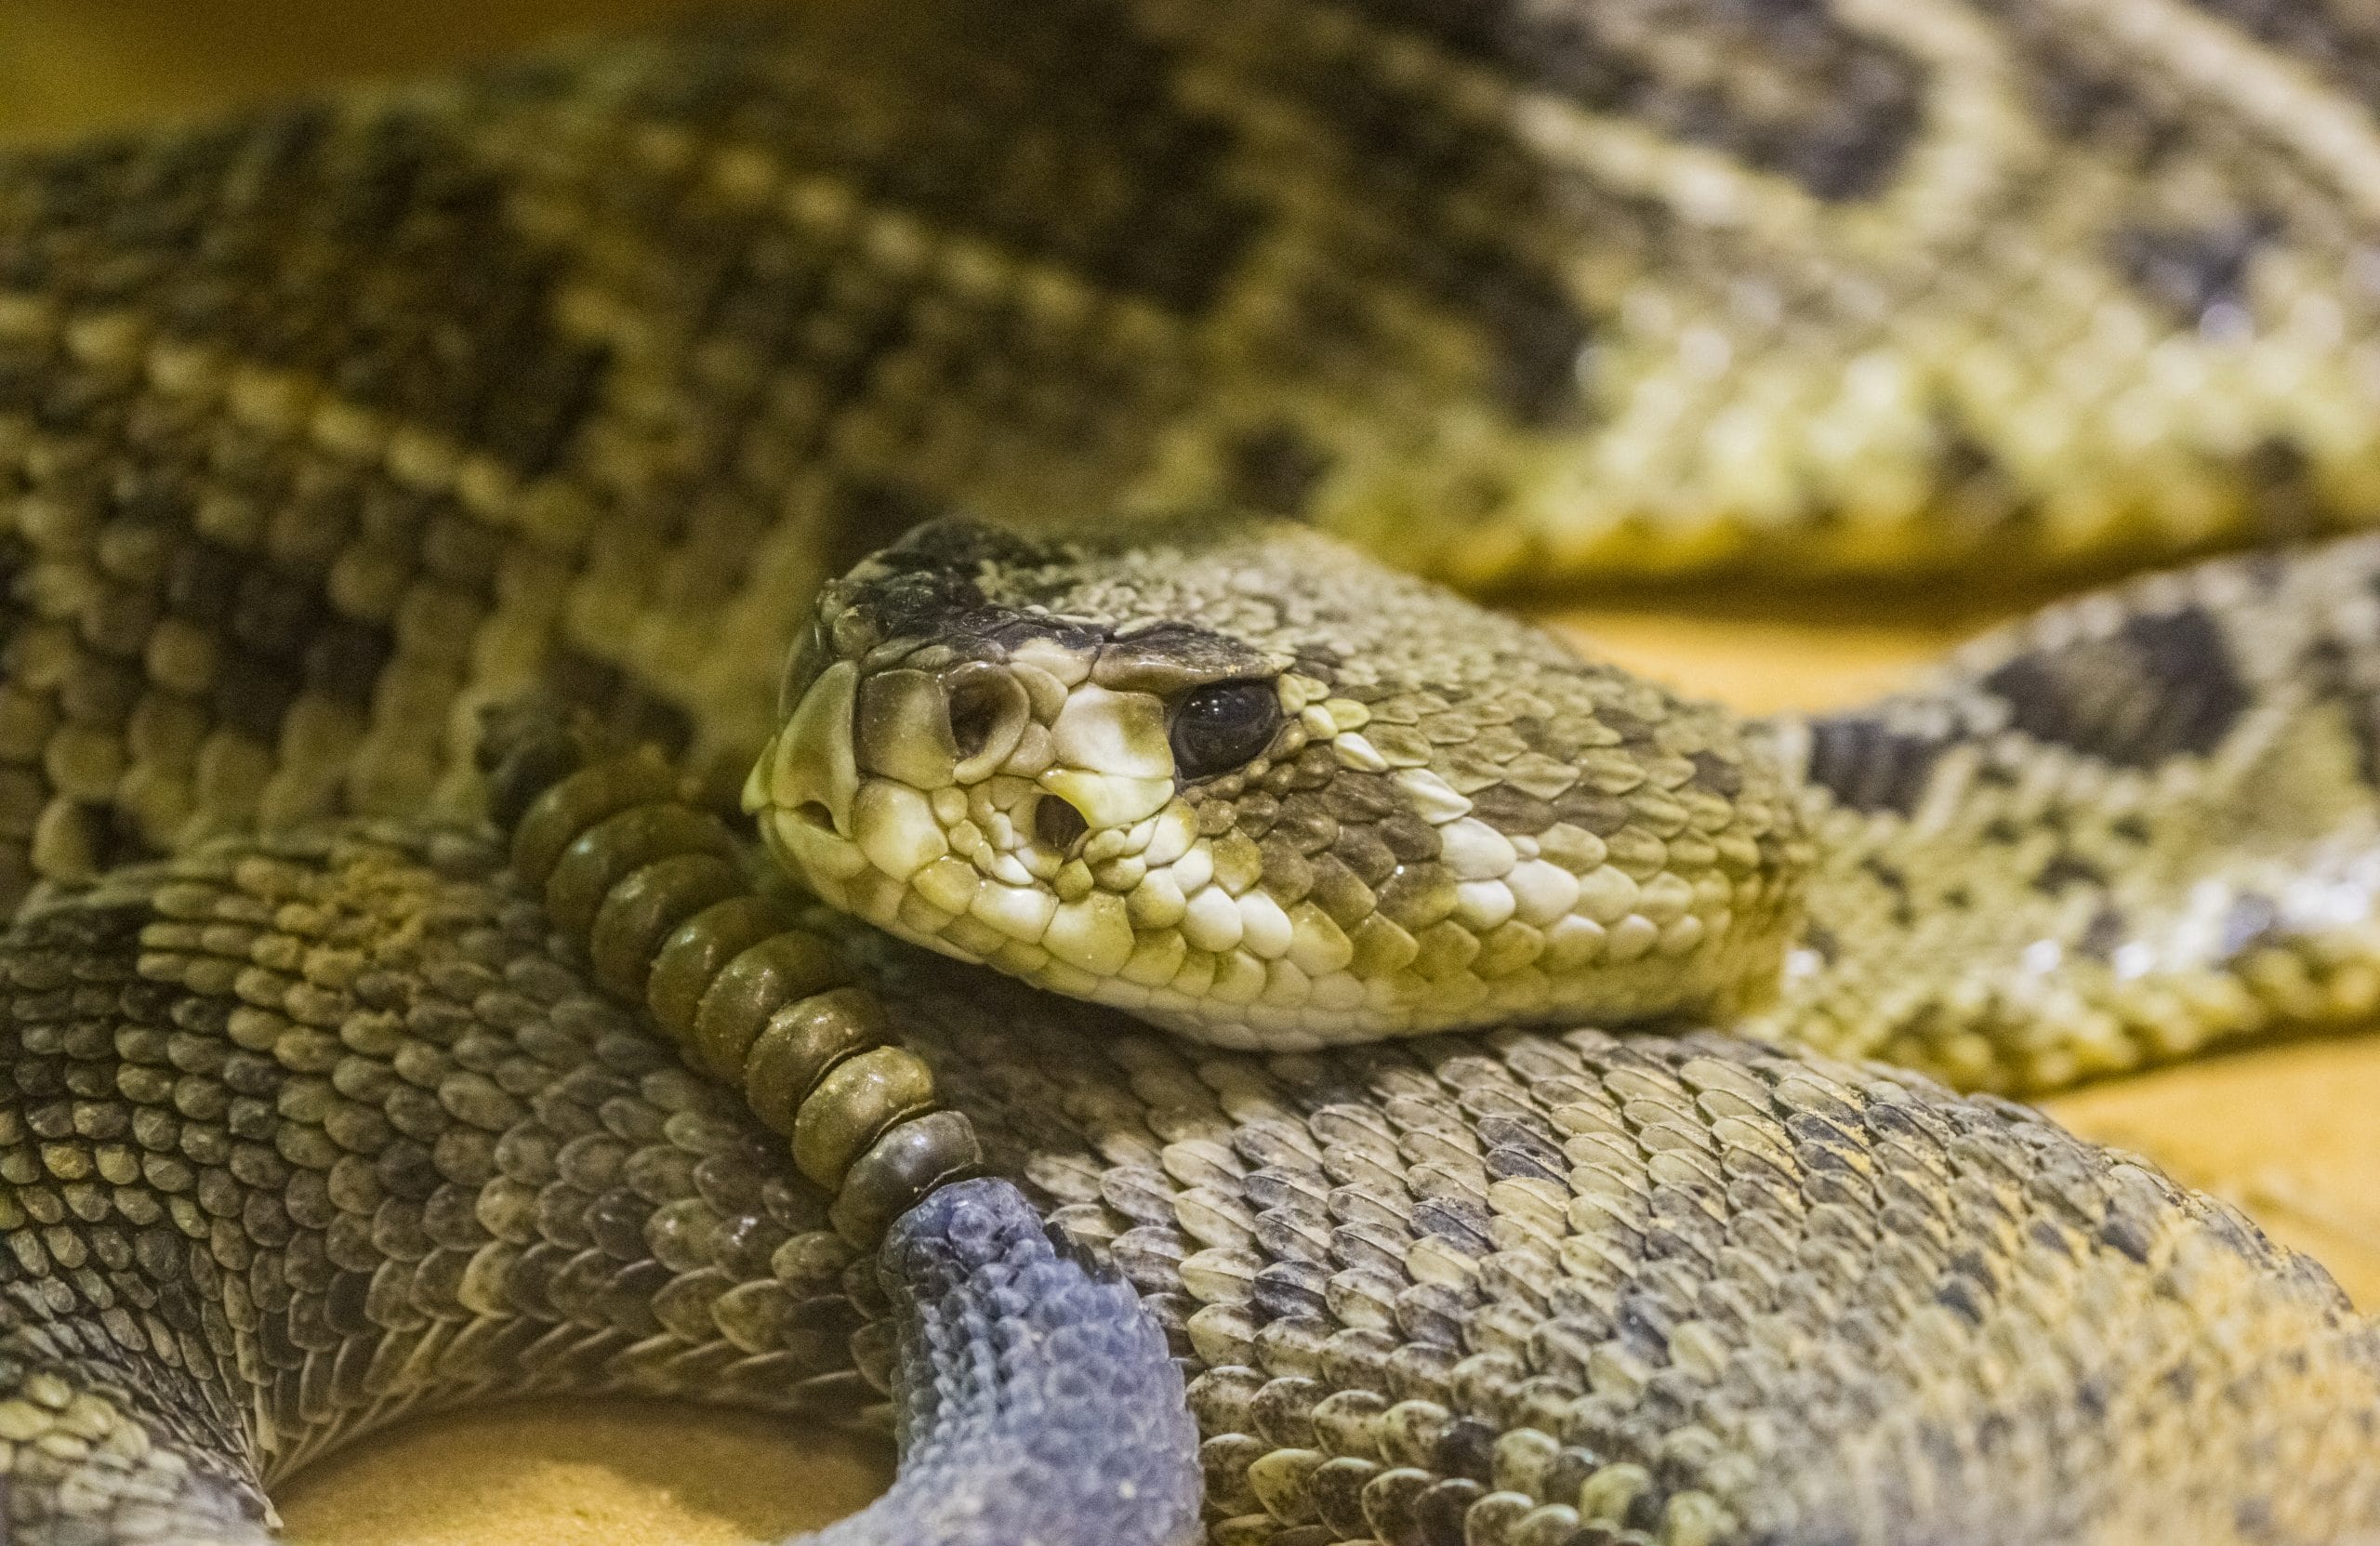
pixel 304 1133
pixel 230 1250
pixel 2135 825
pixel 324 432
pixel 324 428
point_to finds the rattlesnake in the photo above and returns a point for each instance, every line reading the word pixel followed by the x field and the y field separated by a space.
pixel 366 1058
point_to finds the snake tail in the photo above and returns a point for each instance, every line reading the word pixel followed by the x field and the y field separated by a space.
pixel 1022 1375
pixel 1038 1401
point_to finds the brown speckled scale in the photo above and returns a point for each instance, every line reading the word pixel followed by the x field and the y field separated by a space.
pixel 302 1136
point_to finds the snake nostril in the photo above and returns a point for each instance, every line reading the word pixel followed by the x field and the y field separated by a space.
pixel 988 712
pixel 975 709
pixel 1058 823
pixel 815 814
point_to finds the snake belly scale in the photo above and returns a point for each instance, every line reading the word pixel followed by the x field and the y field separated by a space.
pixel 1329 1130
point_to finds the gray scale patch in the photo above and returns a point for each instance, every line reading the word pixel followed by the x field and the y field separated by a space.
pixel 2196 271
pixel 1867 766
pixel 2339 41
pixel 973 140
pixel 2162 685
pixel 1841 136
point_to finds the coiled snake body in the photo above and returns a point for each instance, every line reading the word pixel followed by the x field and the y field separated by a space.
pixel 1329 1153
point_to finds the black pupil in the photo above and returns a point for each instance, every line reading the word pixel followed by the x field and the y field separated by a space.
pixel 1221 726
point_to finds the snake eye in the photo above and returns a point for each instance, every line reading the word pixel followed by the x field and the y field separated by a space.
pixel 1223 725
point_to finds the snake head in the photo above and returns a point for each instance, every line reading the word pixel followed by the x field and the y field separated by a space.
pixel 1241 780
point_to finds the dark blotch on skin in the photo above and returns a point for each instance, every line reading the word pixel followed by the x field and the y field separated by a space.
pixel 2066 868
pixel 2285 503
pixel 1843 138
pixel 982 588
pixel 2102 935
pixel 1869 766
pixel 625 711
pixel 2194 270
pixel 399 210
pixel 2162 685
pixel 927 582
